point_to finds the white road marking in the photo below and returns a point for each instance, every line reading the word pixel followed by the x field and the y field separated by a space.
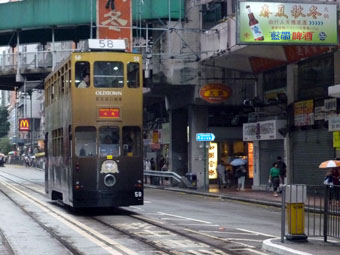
pixel 177 216
pixel 254 232
pixel 251 250
pixel 225 232
pixel 69 221
pixel 136 208
pixel 218 238
pixel 196 224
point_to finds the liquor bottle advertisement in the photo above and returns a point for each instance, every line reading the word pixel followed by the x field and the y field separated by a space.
pixel 287 23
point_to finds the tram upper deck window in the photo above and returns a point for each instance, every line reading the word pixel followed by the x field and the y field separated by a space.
pixel 82 74
pixel 85 138
pixel 133 75
pixel 108 74
pixel 109 141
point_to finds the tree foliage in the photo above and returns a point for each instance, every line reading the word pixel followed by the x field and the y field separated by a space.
pixel 5 145
pixel 4 124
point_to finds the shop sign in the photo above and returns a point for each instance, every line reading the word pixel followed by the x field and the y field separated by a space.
pixel 326 110
pixel 334 123
pixel 287 23
pixel 114 19
pixel 304 113
pixel 336 139
pixel 24 124
pixel 212 155
pixel 215 93
pixel 263 130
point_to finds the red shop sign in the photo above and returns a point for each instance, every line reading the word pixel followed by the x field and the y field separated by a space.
pixel 215 93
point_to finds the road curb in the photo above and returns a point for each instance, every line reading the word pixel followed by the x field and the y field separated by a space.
pixel 222 196
pixel 268 245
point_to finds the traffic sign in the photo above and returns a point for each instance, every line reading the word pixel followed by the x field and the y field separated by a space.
pixel 205 137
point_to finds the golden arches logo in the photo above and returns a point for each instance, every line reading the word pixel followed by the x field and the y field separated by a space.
pixel 24 125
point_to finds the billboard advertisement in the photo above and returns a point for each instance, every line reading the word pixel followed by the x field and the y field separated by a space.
pixel 281 23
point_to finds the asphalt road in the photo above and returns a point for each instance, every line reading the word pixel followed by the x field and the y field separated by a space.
pixel 168 223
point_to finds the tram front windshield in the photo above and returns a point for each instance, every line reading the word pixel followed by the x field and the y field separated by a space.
pixel 109 141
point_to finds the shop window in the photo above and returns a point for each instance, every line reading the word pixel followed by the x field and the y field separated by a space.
pixel 274 82
pixel 314 78
pixel 213 13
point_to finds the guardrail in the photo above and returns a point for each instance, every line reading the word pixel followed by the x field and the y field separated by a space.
pixel 166 178
pixel 320 215
pixel 32 60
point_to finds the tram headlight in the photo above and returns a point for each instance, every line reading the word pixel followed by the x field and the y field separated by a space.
pixel 109 166
pixel 109 180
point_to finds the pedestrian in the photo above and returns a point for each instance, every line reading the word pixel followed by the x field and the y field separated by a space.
pixel 27 161
pixel 221 174
pixel 241 173
pixel 274 177
pixel 154 179
pixel 283 169
pixel 229 177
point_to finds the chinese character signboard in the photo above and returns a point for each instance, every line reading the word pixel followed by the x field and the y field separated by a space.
pixel 287 23
pixel 114 20
pixel 24 124
pixel 212 160
pixel 109 113
pixel 334 123
pixel 304 113
pixel 263 130
pixel 215 93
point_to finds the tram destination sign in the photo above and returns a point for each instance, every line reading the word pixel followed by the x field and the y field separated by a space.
pixel 205 137
pixel 307 23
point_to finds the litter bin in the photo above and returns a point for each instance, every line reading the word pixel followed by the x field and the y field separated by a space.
pixel 296 196
pixel 192 178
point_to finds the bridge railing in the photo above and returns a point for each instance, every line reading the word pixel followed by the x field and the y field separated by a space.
pixel 32 60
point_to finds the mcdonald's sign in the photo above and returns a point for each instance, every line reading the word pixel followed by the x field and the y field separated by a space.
pixel 24 124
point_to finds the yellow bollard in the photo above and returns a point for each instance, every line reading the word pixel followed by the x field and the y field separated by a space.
pixel 296 196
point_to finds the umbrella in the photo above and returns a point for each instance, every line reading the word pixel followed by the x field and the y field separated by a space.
pixel 330 164
pixel 2 155
pixel 238 162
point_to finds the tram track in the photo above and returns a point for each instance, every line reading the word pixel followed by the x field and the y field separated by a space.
pixel 53 234
pixel 182 233
pixel 6 248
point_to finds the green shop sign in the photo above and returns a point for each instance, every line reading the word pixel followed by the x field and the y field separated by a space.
pixel 287 23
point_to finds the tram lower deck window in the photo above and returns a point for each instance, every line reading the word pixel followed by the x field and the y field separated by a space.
pixel 85 139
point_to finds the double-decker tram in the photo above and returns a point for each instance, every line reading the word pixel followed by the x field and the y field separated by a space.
pixel 93 120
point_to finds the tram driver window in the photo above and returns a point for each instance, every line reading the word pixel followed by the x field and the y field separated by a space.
pixel 133 75
pixel 109 141
pixel 108 74
pixel 131 141
pixel 82 74
pixel 85 139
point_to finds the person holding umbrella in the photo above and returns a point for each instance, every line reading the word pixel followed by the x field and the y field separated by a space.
pixel 240 172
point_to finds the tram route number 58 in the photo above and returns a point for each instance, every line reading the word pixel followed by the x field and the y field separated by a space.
pixel 107 44
pixel 138 194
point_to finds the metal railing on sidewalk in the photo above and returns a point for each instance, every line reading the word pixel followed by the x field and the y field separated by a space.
pixel 166 178
pixel 317 213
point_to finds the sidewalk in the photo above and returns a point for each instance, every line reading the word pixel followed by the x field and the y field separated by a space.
pixel 313 246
